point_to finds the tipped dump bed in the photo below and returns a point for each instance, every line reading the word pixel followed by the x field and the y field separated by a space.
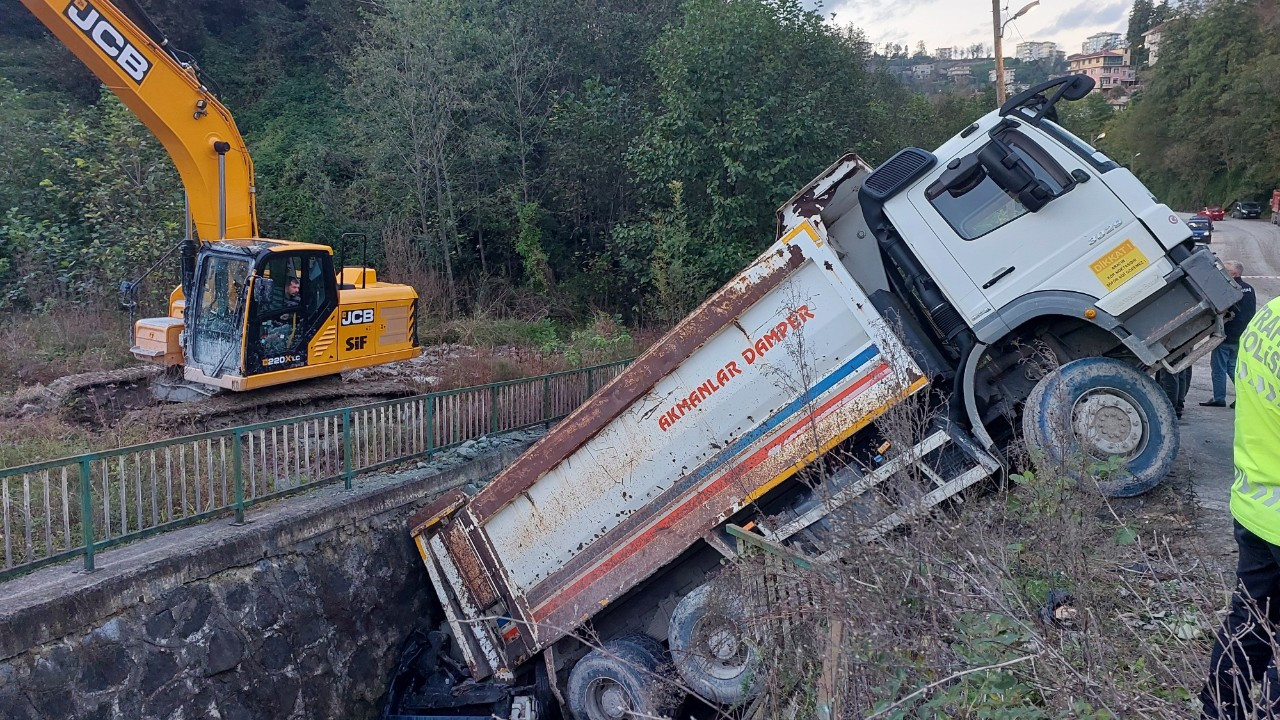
pixel 786 360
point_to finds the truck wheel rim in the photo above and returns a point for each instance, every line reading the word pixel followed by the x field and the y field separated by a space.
pixel 1110 423
pixel 725 655
pixel 607 699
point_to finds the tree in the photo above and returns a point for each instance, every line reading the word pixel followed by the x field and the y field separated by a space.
pixel 414 89
pixel 1086 118
pixel 108 205
pixel 736 143
pixel 1140 21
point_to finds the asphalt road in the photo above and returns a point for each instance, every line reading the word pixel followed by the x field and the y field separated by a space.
pixel 1205 455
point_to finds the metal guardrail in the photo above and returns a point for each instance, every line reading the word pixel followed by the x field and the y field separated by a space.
pixel 55 510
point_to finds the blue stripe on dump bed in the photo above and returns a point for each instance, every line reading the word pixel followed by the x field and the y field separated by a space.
pixel 778 418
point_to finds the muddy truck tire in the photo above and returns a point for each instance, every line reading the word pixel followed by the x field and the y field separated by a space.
pixel 711 646
pixel 1095 411
pixel 618 680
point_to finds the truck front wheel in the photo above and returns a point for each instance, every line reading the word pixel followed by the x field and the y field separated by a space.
pixel 618 681
pixel 1092 412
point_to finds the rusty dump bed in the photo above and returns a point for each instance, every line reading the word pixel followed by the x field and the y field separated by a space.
pixel 786 360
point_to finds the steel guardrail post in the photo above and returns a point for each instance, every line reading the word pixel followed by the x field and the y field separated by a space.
pixel 237 475
pixel 546 398
pixel 347 470
pixel 86 512
pixel 493 409
pixel 431 424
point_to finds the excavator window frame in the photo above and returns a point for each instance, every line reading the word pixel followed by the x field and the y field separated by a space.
pixel 222 285
pixel 276 336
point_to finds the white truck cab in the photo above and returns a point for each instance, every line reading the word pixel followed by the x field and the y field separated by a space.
pixel 1016 239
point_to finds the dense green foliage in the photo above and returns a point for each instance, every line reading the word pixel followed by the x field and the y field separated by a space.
pixel 1203 130
pixel 92 196
pixel 626 156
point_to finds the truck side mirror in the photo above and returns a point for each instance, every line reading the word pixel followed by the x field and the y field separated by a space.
pixel 1013 175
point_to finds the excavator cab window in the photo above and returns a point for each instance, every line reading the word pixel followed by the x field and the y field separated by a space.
pixel 294 293
pixel 222 284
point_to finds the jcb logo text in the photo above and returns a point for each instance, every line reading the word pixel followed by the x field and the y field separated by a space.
pixel 109 40
pixel 357 317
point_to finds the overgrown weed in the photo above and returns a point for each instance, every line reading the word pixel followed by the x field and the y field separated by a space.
pixel 42 347
pixel 1035 602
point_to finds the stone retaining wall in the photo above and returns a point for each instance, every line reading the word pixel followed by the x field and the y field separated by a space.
pixel 299 614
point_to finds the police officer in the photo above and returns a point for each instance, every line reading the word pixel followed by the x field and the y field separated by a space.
pixel 1222 364
pixel 1242 654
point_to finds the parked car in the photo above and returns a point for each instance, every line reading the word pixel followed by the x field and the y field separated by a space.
pixel 1201 229
pixel 1246 210
pixel 1213 212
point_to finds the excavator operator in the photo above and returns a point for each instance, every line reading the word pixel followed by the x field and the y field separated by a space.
pixel 278 333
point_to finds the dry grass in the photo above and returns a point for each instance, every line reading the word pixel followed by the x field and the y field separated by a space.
pixel 74 339
pixel 39 438
pixel 957 619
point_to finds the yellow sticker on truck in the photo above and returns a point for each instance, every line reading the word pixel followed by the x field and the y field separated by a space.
pixel 1119 264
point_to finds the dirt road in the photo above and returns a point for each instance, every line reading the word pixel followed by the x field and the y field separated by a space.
pixel 1205 457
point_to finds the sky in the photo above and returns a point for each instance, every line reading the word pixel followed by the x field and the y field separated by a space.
pixel 952 23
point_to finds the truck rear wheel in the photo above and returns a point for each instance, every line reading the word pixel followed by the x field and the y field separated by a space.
pixel 711 647
pixel 1095 409
pixel 618 681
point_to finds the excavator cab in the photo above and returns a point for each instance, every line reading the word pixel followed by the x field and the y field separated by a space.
pixel 257 307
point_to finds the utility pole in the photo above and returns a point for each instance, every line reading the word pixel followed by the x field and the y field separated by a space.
pixel 998 31
pixel 997 28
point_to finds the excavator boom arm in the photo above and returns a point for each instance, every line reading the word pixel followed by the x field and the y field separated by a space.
pixel 196 129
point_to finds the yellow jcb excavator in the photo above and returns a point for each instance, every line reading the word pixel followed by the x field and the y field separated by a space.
pixel 250 312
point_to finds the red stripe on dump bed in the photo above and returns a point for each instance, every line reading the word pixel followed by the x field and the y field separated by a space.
pixel 681 511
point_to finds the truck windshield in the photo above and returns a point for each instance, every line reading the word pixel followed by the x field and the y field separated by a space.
pixel 219 317
pixel 1093 156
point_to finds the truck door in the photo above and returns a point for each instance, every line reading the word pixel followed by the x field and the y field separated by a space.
pixel 1009 251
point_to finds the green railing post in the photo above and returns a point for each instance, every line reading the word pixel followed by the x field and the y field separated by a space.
pixel 237 475
pixel 493 409
pixel 347 469
pixel 86 512
pixel 546 399
pixel 591 382
pixel 431 424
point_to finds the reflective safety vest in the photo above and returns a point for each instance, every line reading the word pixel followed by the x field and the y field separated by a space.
pixel 1255 494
